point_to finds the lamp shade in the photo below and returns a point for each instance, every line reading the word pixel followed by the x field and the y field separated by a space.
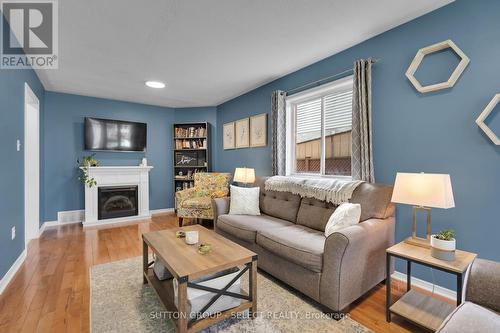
pixel 423 189
pixel 244 175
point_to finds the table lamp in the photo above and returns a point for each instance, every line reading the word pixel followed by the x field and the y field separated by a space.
pixel 244 175
pixel 424 191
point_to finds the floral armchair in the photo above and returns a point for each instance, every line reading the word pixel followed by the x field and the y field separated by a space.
pixel 196 202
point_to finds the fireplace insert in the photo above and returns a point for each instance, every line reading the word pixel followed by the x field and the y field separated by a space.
pixel 117 201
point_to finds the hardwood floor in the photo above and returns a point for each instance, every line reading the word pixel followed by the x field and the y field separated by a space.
pixel 51 291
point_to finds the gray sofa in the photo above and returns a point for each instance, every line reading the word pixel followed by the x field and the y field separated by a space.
pixel 289 239
pixel 480 311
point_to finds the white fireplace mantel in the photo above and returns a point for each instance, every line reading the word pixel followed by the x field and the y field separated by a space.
pixel 117 176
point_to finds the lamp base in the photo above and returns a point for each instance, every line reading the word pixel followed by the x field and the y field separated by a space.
pixel 418 241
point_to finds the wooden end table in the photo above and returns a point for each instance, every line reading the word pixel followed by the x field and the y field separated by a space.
pixel 186 264
pixel 424 310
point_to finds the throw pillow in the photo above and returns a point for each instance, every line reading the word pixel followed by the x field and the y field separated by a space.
pixel 244 201
pixel 345 215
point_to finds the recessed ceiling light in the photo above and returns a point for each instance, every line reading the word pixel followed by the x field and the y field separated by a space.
pixel 155 84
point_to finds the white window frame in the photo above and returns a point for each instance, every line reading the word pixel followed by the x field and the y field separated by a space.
pixel 291 102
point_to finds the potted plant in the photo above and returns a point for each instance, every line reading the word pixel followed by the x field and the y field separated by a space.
pixel 443 244
pixel 84 177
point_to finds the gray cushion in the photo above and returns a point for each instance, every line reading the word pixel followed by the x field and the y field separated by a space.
pixel 375 201
pixel 283 205
pixel 470 317
pixel 314 213
pixel 296 243
pixel 245 227
pixel 483 283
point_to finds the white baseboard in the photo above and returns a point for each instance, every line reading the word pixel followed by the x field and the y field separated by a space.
pixel 445 292
pixel 54 224
pixel 161 211
pixel 4 282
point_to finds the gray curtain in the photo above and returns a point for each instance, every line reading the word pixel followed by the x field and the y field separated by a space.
pixel 279 132
pixel 362 152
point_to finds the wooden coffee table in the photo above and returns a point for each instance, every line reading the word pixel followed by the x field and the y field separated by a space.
pixel 186 264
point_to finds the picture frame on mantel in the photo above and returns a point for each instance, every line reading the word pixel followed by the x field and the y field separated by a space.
pixel 258 130
pixel 228 139
pixel 242 133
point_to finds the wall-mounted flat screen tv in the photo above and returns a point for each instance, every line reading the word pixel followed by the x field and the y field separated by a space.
pixel 114 135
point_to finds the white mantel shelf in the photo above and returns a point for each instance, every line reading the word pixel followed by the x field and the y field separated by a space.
pixel 117 176
pixel 107 168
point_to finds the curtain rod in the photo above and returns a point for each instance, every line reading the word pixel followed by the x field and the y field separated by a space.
pixel 328 77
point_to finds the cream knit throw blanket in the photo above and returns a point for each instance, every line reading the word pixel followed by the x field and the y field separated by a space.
pixel 332 190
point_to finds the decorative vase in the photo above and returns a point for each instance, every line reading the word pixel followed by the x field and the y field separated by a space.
pixel 443 249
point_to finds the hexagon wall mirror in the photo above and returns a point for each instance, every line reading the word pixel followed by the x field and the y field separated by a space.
pixel 410 73
pixel 482 117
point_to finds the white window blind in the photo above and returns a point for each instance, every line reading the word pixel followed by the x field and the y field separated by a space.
pixel 308 120
pixel 338 112
pixel 338 116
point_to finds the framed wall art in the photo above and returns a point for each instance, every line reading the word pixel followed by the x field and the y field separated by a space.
pixel 242 133
pixel 258 130
pixel 228 139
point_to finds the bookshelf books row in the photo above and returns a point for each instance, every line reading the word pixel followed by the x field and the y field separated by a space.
pixel 190 132
pixel 191 144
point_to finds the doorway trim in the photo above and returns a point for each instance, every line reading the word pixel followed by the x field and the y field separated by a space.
pixel 31 165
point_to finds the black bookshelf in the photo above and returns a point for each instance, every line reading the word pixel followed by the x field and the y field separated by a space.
pixel 191 153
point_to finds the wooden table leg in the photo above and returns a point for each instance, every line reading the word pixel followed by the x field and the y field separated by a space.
pixel 252 285
pixel 182 323
pixel 145 259
pixel 388 288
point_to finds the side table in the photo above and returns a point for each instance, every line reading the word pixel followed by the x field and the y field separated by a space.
pixel 421 309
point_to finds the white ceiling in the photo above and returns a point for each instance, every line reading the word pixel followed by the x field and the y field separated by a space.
pixel 207 51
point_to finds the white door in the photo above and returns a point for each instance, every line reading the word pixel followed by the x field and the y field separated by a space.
pixel 31 164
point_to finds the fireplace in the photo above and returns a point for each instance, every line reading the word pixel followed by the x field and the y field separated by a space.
pixel 117 201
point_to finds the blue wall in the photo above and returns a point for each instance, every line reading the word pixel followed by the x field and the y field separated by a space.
pixel 12 165
pixel 412 132
pixel 64 135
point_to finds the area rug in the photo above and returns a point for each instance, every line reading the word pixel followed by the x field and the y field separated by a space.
pixel 119 302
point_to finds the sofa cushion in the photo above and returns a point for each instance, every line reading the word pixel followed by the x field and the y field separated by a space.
pixel 283 205
pixel 244 201
pixel 298 244
pixel 375 201
pixel 470 317
pixel 314 213
pixel 245 227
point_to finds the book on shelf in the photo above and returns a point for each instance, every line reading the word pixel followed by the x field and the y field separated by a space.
pixel 190 132
pixel 190 144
